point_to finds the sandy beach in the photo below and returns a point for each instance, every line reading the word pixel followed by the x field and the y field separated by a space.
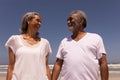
pixel 112 76
pixel 114 71
pixel 2 76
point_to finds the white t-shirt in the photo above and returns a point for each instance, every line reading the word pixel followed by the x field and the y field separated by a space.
pixel 30 61
pixel 81 57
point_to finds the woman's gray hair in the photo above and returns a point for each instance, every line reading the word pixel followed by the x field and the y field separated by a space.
pixel 27 17
pixel 81 15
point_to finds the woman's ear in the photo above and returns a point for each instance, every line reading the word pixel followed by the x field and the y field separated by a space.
pixel 28 22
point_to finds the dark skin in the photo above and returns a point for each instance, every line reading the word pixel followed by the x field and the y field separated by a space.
pixel 56 69
pixel 79 33
pixel 103 68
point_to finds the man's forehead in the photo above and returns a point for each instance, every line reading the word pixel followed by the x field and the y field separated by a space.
pixel 72 16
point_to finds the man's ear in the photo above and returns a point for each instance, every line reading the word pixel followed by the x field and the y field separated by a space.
pixel 81 21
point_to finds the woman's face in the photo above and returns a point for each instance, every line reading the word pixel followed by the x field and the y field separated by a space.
pixel 35 23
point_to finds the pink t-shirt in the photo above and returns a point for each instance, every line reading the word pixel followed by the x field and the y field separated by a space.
pixel 81 57
pixel 30 61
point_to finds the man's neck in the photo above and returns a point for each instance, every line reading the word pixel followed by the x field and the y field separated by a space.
pixel 78 36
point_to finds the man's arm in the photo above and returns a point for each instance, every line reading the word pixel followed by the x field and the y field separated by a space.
pixel 103 67
pixel 56 69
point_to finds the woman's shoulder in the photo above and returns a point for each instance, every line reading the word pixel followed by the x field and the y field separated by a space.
pixel 11 40
pixel 14 36
pixel 44 40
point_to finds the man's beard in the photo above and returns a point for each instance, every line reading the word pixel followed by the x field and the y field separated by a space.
pixel 73 27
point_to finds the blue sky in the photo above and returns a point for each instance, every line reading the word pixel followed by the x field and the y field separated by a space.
pixel 102 15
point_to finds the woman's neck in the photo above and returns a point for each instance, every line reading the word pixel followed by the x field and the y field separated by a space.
pixel 31 35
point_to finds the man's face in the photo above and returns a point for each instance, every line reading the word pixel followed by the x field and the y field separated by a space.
pixel 73 24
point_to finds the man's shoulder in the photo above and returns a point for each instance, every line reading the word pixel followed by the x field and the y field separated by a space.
pixel 67 38
pixel 94 34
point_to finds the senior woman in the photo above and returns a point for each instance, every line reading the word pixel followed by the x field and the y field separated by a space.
pixel 28 53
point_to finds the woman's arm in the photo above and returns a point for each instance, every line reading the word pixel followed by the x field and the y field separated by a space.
pixel 11 64
pixel 47 68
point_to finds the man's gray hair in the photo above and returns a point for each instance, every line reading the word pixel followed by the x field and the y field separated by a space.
pixel 81 15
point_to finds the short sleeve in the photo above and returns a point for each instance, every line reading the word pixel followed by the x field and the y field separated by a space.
pixel 48 48
pixel 60 49
pixel 100 48
pixel 10 43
